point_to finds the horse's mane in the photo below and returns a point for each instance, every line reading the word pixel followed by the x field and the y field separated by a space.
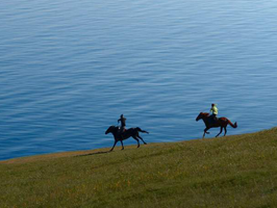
pixel 113 127
pixel 205 114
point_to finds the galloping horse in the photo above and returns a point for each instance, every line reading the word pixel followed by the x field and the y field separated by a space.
pixel 221 122
pixel 132 132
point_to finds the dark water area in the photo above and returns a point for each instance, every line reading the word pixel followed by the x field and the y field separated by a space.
pixel 68 69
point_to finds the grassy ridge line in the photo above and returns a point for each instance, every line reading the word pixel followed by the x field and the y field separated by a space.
pixel 233 171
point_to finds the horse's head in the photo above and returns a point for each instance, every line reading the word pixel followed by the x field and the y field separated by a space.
pixel 201 116
pixel 111 129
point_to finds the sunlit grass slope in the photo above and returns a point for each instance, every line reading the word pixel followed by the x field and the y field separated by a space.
pixel 234 171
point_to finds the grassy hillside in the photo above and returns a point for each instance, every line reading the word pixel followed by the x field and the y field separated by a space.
pixel 234 171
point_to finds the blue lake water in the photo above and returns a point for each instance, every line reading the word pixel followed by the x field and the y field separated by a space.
pixel 68 69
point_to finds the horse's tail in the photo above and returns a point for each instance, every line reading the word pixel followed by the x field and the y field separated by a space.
pixel 235 125
pixel 140 130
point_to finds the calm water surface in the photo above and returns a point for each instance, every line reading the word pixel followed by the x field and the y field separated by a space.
pixel 68 69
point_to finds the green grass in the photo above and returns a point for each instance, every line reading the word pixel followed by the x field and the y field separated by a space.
pixel 233 171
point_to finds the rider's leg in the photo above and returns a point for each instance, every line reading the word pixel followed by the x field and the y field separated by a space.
pixel 121 132
pixel 214 118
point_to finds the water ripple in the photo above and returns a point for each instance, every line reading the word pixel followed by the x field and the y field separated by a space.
pixel 68 70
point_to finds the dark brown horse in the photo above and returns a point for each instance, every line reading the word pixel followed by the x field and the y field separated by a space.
pixel 210 123
pixel 132 132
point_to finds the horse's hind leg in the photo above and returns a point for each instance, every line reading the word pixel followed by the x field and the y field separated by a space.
pixel 137 141
pixel 219 132
pixel 225 130
pixel 141 139
pixel 122 145
pixel 113 145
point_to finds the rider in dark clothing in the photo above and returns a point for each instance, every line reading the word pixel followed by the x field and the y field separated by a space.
pixel 123 124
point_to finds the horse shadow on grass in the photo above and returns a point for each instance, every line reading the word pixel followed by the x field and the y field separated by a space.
pixel 93 153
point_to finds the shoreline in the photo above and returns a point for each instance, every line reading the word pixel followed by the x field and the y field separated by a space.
pixel 106 149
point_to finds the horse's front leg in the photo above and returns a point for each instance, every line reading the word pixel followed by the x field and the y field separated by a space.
pixel 115 141
pixel 137 141
pixel 219 132
pixel 205 131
